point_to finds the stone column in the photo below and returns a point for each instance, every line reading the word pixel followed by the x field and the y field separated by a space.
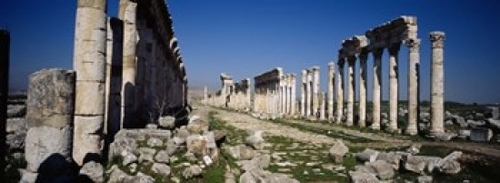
pixel 322 105
pixel 351 61
pixel 413 92
pixel 50 109
pixel 377 88
pixel 340 90
pixel 303 91
pixel 89 61
pixel 437 78
pixel 4 92
pixel 114 57
pixel 316 94
pixel 128 13
pixel 393 86
pixel 293 95
pixel 283 94
pixel 362 88
pixel 309 94
pixel 331 83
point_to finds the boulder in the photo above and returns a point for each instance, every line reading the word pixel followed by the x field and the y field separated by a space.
pixel 383 170
pixel 463 134
pixel 255 140
pixel 146 154
pixel 369 155
pixel 154 142
pixel 337 151
pixel 241 152
pixel 391 157
pixel 414 149
pixel 420 164
pixel 450 164
pixel 167 122
pixel 92 171
pixel 160 168
pixel 197 144
pixel 162 156
pixel 197 125
pixel 360 177
pixel 192 171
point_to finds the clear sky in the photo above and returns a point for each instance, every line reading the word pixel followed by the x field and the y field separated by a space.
pixel 246 37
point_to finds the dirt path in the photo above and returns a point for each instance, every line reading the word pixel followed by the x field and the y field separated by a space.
pixel 246 122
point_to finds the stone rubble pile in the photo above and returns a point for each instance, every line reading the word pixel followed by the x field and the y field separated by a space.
pixel 382 166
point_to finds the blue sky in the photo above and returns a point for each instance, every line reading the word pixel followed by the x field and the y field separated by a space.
pixel 246 37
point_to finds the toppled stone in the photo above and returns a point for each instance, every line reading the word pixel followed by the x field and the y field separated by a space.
pixel 391 157
pixel 192 171
pixel 197 145
pixel 92 171
pixel 260 161
pixel 369 155
pixel 167 122
pixel 383 170
pixel 241 152
pixel 463 134
pixel 360 177
pixel 414 149
pixel 117 175
pixel 162 156
pixel 481 134
pixel 420 164
pixel 197 125
pixel 220 137
pixel 154 142
pixel 173 145
pixel 160 168
pixel 128 158
pixel 255 140
pixel 146 154
pixel 338 151
pixel 450 164
pixel 444 136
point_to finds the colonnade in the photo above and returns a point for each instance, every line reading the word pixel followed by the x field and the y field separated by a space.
pixel 309 101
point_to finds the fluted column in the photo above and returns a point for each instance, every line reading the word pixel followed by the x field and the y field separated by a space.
pixel 89 60
pixel 309 94
pixel 128 13
pixel 316 94
pixel 340 90
pixel 393 86
pixel 303 90
pixel 331 83
pixel 413 92
pixel 351 61
pixel 377 88
pixel 362 88
pixel 293 96
pixel 437 78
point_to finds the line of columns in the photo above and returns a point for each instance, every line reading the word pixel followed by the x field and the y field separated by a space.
pixel 310 102
pixel 287 94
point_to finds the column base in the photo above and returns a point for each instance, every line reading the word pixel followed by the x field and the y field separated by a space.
pixel 411 131
pixel 375 127
pixel 362 123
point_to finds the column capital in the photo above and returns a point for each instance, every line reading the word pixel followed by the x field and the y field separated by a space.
pixel 413 44
pixel 437 39
pixel 351 60
pixel 363 56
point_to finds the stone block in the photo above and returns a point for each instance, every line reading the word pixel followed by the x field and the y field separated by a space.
pixel 86 94
pixel 49 149
pixel 481 134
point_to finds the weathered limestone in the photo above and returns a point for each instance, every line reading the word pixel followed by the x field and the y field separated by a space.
pixel 89 61
pixel 331 87
pixel 350 90
pixel 266 91
pixel 362 88
pixel 340 89
pixel 128 13
pixel 315 88
pixel 437 79
pixel 322 106
pixel 50 109
pixel 293 96
pixel 303 86
pixel 393 86
pixel 413 85
pixel 232 95
pixel 4 89
pixel 309 85
pixel 377 89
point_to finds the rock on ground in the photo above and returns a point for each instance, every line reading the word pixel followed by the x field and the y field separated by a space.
pixel 255 140
pixel 92 171
pixel 338 150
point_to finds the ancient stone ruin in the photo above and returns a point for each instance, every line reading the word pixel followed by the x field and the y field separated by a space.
pixel 231 94
pixel 274 92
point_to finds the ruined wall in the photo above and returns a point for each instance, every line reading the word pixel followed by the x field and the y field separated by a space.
pixel 232 95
